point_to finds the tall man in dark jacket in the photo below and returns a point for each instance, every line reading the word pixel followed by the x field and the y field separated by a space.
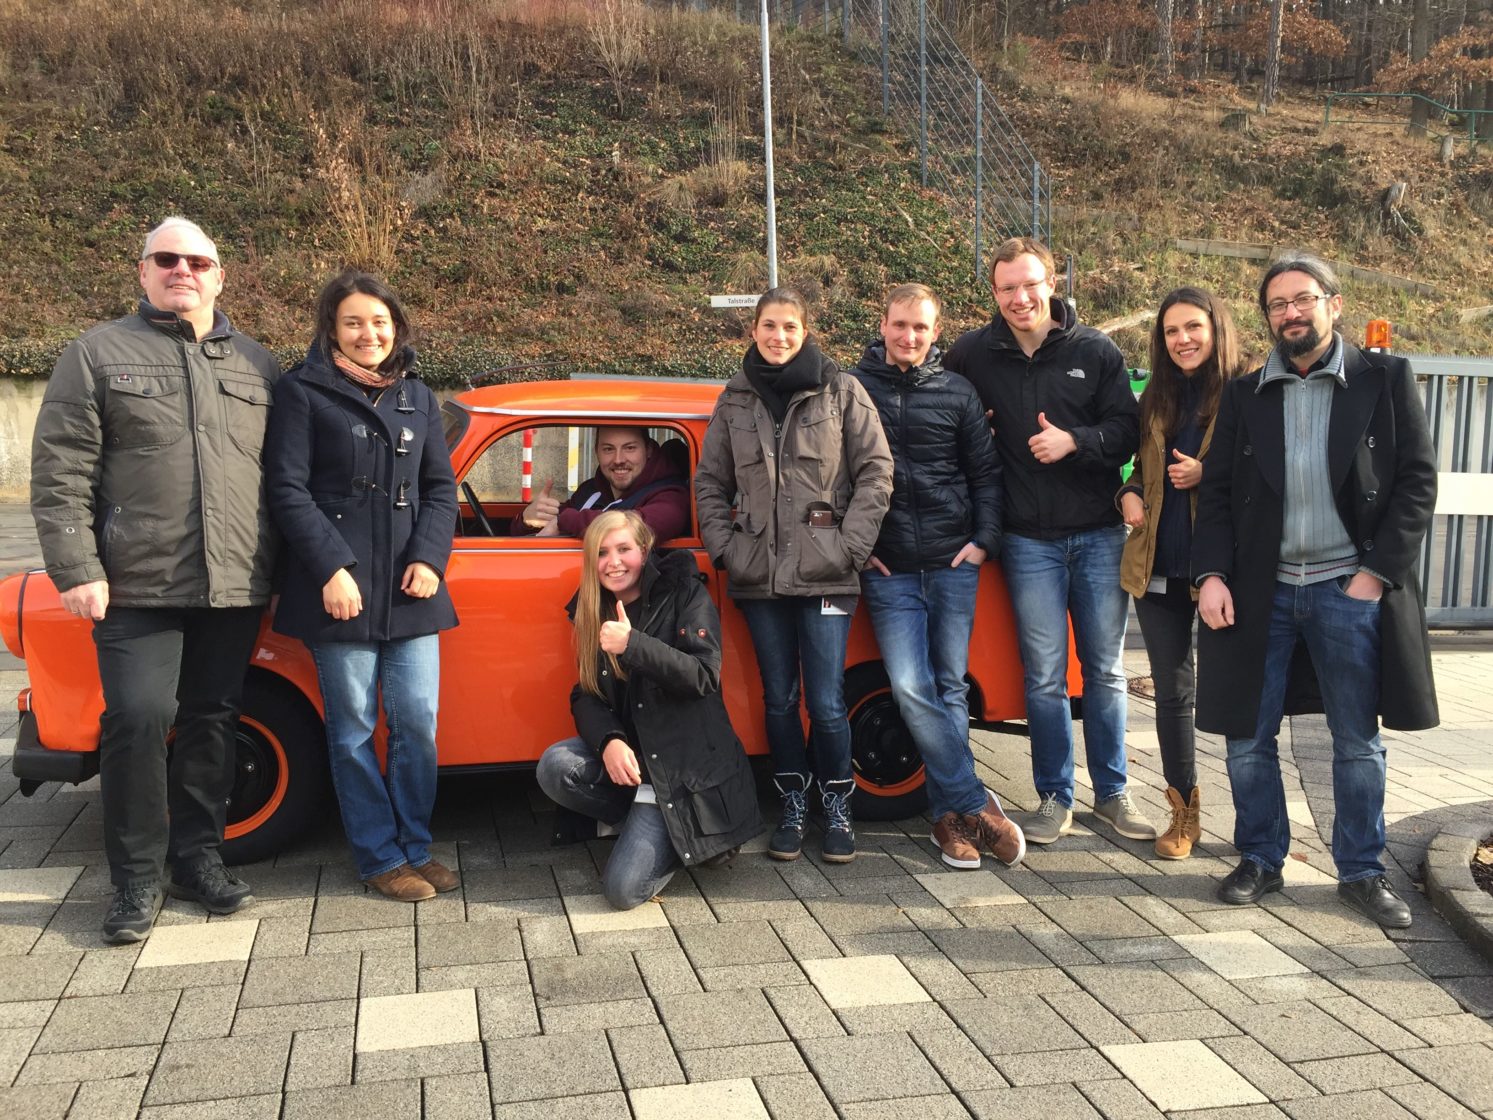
pixel 146 490
pixel 1065 422
pixel 944 521
pixel 1319 489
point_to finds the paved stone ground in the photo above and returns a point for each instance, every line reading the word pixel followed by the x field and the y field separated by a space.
pixel 1094 981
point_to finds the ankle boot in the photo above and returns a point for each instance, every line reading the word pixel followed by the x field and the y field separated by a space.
pixel 1186 826
pixel 788 838
pixel 839 839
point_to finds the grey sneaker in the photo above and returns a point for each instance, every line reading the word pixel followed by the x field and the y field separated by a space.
pixel 1120 813
pixel 1051 820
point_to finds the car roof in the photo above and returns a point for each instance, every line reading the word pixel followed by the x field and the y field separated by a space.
pixel 642 398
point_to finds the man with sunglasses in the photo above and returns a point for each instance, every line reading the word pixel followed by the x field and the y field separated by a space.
pixel 146 491
pixel 1318 492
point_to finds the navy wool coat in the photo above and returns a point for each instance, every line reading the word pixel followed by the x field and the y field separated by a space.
pixel 337 485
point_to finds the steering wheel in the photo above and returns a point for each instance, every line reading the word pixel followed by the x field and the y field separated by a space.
pixel 477 511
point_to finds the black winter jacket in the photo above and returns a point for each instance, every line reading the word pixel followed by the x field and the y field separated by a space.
pixel 946 479
pixel 697 765
pixel 333 479
pixel 1078 379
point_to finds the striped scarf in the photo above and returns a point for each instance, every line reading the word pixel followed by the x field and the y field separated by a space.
pixel 361 375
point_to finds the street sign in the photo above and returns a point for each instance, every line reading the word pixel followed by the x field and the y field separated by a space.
pixel 734 301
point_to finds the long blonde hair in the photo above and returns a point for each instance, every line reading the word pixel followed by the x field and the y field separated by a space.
pixel 594 604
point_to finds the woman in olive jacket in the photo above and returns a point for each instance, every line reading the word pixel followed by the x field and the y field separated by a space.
pixel 655 755
pixel 1194 351
pixel 794 479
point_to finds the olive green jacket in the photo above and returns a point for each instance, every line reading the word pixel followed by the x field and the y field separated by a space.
pixel 145 464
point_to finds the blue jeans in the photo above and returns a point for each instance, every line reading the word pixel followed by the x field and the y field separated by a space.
pixel 643 860
pixel 1342 637
pixel 792 638
pixel 1049 581
pixel 923 622
pixel 386 816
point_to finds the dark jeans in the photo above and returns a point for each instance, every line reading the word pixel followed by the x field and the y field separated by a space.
pixel 793 637
pixel 1166 624
pixel 159 667
pixel 643 860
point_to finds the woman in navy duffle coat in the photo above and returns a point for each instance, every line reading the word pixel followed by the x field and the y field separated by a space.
pixel 359 480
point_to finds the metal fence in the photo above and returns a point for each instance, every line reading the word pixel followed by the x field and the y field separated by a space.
pixel 968 149
pixel 1456 560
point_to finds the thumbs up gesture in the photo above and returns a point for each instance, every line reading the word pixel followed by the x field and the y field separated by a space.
pixel 544 509
pixel 614 635
pixel 1186 472
pixel 1051 443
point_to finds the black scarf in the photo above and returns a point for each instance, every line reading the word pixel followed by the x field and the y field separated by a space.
pixel 777 384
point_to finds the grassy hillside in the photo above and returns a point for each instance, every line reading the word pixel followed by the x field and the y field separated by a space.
pixel 543 187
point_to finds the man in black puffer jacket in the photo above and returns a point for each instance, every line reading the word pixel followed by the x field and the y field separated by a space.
pixel 1065 422
pixel 920 587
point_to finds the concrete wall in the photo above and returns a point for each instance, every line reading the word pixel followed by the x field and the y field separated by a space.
pixel 19 402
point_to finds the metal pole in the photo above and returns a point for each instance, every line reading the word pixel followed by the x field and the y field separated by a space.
pixel 1036 199
pixel 845 22
pixel 772 202
pixel 826 16
pixel 886 58
pixel 979 166
pixel 923 89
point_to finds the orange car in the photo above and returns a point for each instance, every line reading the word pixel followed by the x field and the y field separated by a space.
pixel 507 670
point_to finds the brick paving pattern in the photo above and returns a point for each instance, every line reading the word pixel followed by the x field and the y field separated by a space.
pixel 1094 981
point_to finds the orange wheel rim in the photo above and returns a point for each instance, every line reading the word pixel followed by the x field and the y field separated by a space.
pixel 277 795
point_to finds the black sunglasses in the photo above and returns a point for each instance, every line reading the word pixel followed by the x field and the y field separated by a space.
pixel 168 261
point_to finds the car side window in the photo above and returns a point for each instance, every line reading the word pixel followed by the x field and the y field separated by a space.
pixel 562 454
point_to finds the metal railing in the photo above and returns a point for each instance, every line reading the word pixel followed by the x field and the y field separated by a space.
pixel 1473 116
pixel 1456 559
pixel 968 149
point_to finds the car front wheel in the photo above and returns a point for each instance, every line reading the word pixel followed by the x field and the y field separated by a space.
pixel 889 780
pixel 281 785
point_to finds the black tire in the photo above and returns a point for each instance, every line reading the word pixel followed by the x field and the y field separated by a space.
pixel 281 784
pixel 888 768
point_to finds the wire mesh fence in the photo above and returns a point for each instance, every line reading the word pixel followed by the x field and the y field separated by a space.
pixel 968 149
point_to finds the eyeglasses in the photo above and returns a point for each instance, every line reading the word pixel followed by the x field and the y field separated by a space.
pixel 1008 291
pixel 1300 303
pixel 168 261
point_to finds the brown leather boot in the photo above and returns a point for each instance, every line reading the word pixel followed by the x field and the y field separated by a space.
pixel 402 885
pixel 1186 827
pixel 439 876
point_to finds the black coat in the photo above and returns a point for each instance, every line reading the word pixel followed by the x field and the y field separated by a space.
pixel 332 479
pixel 1384 482
pixel 698 767
pixel 1077 377
pixel 946 479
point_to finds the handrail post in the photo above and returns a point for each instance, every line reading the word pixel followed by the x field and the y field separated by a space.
pixel 923 89
pixel 886 58
pixel 979 166
pixel 1327 112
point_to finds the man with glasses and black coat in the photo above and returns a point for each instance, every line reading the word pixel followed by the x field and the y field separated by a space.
pixel 1317 494
pixel 148 500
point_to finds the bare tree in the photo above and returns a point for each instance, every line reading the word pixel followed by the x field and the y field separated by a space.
pixel 1271 87
pixel 1420 45
pixel 1164 37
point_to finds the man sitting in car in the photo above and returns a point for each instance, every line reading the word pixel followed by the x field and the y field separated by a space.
pixel 631 473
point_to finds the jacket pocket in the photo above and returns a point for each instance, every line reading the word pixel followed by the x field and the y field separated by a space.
pixel 143 410
pixel 723 806
pixel 246 411
pixel 823 557
pixel 747 562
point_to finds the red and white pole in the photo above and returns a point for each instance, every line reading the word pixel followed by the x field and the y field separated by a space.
pixel 526 477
